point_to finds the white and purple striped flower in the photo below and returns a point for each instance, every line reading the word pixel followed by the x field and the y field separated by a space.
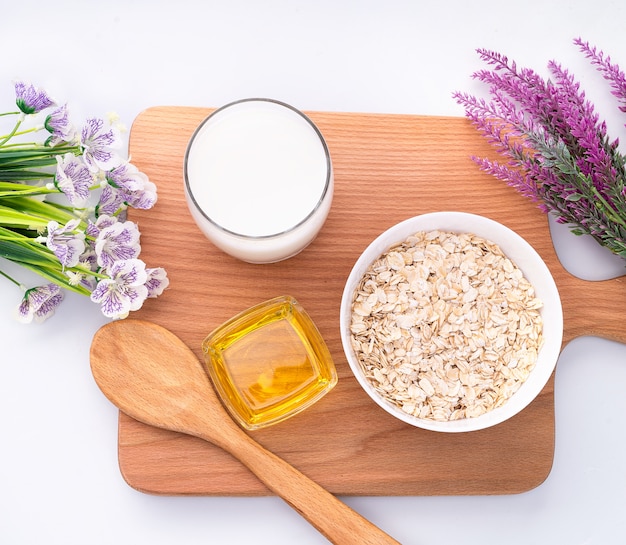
pixel 98 145
pixel 127 177
pixel 66 244
pixel 111 201
pixel 103 221
pixel 124 291
pixel 39 303
pixel 157 281
pixel 72 178
pixel 30 99
pixel 127 186
pixel 59 126
pixel 119 241
pixel 87 249
pixel 143 199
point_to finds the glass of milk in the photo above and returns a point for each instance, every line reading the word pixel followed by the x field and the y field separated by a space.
pixel 258 180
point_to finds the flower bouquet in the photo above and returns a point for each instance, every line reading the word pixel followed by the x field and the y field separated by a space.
pixel 556 150
pixel 63 198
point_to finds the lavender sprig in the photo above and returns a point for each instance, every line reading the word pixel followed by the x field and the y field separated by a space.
pixel 611 72
pixel 555 149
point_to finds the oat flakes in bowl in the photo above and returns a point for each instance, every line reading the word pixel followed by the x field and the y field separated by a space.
pixel 451 322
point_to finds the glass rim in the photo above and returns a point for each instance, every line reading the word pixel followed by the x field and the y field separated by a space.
pixel 318 204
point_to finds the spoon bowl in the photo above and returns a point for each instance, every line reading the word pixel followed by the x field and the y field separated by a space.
pixel 151 375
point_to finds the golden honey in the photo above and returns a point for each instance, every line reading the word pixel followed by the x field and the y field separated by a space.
pixel 269 363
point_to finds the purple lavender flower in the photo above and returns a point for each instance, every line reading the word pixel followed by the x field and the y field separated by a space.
pixel 72 178
pixel 98 145
pixel 30 99
pixel 59 126
pixel 39 303
pixel 124 291
pixel 556 149
pixel 611 72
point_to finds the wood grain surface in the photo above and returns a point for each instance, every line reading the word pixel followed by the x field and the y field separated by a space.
pixel 387 168
pixel 131 361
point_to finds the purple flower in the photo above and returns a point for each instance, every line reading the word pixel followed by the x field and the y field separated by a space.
pixel 526 185
pixel 555 148
pixel 59 126
pixel 72 178
pixel 119 241
pixel 94 228
pixel 39 303
pixel 143 199
pixel 30 99
pixel 82 274
pixel 126 177
pixel 98 145
pixel 611 72
pixel 66 245
pixel 111 201
pixel 128 187
pixel 124 291
pixel 157 281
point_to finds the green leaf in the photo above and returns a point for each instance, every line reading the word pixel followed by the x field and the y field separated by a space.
pixel 16 218
pixel 12 154
pixel 8 185
pixel 11 175
pixel 37 210
pixel 574 197
pixel 25 253
pixel 16 165
pixel 17 189
pixel 41 261
pixel 59 278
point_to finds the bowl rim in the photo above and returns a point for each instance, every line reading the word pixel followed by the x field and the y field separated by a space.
pixel 522 254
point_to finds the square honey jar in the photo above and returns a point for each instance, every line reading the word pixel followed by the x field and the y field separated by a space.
pixel 269 363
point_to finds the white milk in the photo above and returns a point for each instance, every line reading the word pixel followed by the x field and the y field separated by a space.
pixel 258 180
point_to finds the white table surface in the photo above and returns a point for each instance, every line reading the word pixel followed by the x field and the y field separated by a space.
pixel 59 478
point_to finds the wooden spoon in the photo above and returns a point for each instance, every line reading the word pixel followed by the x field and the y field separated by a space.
pixel 151 375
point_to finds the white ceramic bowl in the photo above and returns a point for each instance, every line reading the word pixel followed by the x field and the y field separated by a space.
pixel 516 249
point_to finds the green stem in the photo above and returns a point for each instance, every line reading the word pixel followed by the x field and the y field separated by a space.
pixel 29 212
pixel 608 209
pixel 12 133
pixel 23 144
pixel 21 133
pixel 32 191
pixel 27 150
pixel 19 284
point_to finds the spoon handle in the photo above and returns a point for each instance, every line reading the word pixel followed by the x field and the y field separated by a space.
pixel 339 523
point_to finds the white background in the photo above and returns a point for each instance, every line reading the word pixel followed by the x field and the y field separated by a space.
pixel 59 480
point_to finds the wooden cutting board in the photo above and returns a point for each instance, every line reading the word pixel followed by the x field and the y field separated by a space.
pixel 387 168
